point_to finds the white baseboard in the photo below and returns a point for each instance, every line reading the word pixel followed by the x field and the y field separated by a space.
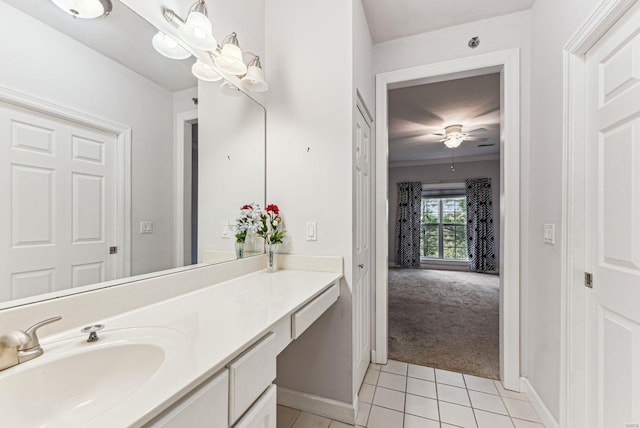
pixel 333 409
pixel 543 411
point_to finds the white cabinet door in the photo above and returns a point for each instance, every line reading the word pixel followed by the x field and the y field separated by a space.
pixel 59 210
pixel 362 296
pixel 612 198
pixel 204 407
pixel 263 413
pixel 249 375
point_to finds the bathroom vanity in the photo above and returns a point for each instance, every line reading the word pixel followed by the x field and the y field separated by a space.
pixel 205 358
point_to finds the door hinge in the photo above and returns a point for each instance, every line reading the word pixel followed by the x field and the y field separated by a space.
pixel 113 250
pixel 588 279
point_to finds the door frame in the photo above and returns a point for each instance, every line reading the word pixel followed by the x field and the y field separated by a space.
pixel 182 119
pixel 507 62
pixel 573 292
pixel 123 163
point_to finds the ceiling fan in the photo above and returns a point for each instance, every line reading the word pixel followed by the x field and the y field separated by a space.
pixel 454 136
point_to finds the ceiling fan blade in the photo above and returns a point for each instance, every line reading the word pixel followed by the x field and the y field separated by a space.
pixel 477 131
pixel 439 134
pixel 476 139
pixel 486 145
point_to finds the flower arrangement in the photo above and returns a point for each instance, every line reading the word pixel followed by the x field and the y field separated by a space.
pixel 249 221
pixel 271 228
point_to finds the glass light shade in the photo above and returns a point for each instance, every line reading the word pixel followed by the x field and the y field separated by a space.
pixel 197 32
pixel 230 89
pixel 169 47
pixel 205 72
pixel 254 80
pixel 85 9
pixel 453 140
pixel 230 60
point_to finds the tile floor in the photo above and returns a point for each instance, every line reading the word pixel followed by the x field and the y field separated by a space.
pixel 401 395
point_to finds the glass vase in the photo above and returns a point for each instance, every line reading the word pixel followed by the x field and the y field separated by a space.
pixel 271 258
pixel 239 250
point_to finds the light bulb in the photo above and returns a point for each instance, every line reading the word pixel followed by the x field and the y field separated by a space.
pixel 230 60
pixel 205 72
pixel 254 80
pixel 169 47
pixel 197 32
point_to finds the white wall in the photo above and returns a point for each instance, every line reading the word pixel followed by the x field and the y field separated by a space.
pixel 553 23
pixel 66 72
pixel 309 134
pixel 435 173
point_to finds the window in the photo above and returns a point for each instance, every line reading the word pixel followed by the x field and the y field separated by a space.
pixel 444 228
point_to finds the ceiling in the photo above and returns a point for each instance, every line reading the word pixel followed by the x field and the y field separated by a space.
pixel 392 19
pixel 122 36
pixel 418 112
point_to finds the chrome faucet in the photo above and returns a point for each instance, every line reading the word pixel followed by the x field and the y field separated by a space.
pixel 19 346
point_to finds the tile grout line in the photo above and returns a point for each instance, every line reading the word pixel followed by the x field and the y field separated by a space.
pixel 473 410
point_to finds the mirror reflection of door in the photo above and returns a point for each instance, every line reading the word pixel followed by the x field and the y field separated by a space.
pixel 194 193
pixel 190 192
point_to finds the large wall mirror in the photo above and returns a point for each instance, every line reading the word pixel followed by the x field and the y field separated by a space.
pixel 115 161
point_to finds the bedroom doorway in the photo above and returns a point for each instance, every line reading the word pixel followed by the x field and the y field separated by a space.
pixel 505 65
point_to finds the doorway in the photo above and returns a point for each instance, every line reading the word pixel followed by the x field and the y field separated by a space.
pixel 506 63
pixel 444 285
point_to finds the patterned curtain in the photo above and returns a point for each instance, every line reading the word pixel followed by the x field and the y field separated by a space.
pixel 480 242
pixel 408 224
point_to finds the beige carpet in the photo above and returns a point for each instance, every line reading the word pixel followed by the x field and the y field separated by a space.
pixel 447 320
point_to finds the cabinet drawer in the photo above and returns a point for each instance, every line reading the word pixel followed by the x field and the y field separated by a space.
pixel 205 406
pixel 250 374
pixel 312 311
pixel 263 413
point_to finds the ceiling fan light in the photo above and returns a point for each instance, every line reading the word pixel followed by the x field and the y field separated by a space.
pixel 169 47
pixel 453 141
pixel 230 58
pixel 85 9
pixel 205 72
pixel 197 31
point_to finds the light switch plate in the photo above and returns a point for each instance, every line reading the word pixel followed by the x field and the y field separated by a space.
pixel 311 231
pixel 146 227
pixel 550 234
pixel 226 230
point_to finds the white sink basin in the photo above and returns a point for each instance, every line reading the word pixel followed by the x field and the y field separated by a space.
pixel 75 381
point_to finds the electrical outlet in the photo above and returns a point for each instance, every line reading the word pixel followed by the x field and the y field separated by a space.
pixel 226 230
pixel 146 227
pixel 311 231
pixel 550 234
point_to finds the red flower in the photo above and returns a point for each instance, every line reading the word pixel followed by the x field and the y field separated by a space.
pixel 273 208
pixel 246 207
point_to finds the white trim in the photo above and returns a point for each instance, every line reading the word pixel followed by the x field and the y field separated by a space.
pixel 546 417
pixel 444 161
pixel 181 120
pixel 508 61
pixel 572 309
pixel 333 409
pixel 123 164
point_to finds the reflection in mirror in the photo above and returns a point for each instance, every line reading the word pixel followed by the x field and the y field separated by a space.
pixel 114 160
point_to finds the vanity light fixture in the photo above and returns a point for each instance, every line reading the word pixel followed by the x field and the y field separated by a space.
pixel 196 30
pixel 205 72
pixel 254 79
pixel 169 47
pixel 85 9
pixel 229 58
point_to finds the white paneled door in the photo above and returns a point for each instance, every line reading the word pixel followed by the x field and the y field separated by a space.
pixel 58 187
pixel 362 229
pixel 613 226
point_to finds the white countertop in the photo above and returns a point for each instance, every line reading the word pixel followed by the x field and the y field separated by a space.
pixel 217 322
